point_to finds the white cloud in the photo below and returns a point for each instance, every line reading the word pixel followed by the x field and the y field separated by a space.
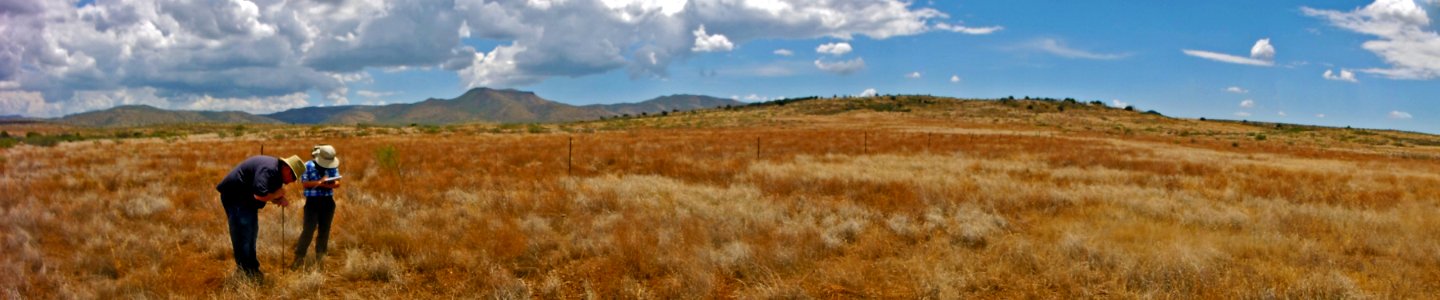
pixel 954 78
pixel 836 49
pixel 1119 103
pixel 1281 113
pixel 968 30
pixel 1247 103
pixel 710 43
pixel 1407 41
pixel 1055 47
pixel 913 75
pixel 1236 90
pixel 25 103
pixel 844 67
pixel 1261 54
pixel 755 98
pixel 250 104
pixel 1263 50
pixel 1242 114
pixel 1322 116
pixel 1400 115
pixel 870 92
pixel 1344 75
pixel 269 51
pixel 1221 57
pixel 373 94
pixel 784 52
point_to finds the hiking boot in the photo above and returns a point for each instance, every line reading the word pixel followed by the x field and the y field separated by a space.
pixel 254 277
pixel 319 261
pixel 299 262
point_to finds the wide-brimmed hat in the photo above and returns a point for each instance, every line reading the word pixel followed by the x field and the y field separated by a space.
pixel 296 165
pixel 325 156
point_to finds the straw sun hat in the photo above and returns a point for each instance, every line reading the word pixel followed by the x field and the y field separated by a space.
pixel 325 156
pixel 296 165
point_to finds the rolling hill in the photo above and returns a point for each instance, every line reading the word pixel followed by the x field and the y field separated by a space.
pixel 476 105
pixel 666 103
pixel 490 105
pixel 143 115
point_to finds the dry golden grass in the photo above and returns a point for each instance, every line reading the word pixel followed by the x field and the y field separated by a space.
pixel 974 200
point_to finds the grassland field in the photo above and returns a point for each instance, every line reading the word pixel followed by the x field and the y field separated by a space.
pixel 908 197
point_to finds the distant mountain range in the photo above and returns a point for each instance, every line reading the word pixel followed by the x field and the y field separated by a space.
pixel 141 115
pixel 476 105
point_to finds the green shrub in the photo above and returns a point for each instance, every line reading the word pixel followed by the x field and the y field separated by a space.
pixel 387 158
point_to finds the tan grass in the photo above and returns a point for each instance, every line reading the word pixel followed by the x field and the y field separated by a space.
pixel 983 201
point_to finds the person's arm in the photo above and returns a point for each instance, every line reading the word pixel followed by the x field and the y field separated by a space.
pixel 277 194
pixel 332 180
pixel 266 193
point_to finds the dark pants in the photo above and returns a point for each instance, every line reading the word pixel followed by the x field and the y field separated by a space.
pixel 244 228
pixel 319 211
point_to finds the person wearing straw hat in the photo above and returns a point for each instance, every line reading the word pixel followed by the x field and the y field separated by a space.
pixel 244 191
pixel 321 177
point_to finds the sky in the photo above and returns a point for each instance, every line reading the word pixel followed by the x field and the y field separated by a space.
pixel 1338 63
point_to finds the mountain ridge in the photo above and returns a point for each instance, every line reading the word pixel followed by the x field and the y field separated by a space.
pixel 475 105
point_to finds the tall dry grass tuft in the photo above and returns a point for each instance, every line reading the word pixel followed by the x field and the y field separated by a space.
pixel 371 266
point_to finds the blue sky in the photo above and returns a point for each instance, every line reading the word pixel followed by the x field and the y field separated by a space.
pixel 1383 57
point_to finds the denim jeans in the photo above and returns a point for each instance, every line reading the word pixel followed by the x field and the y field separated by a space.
pixel 319 211
pixel 244 228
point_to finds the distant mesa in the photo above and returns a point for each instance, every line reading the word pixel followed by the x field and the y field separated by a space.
pixel 475 105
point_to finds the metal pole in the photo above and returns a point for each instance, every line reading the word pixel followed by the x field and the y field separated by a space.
pixel 570 158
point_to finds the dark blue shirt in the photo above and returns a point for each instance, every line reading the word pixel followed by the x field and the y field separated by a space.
pixel 256 176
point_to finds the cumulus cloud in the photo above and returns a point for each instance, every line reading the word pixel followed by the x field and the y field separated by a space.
pixel 259 55
pixel 373 94
pixel 968 30
pixel 1236 90
pixel 1344 75
pixel 751 98
pixel 1247 103
pixel 913 75
pixel 1262 50
pixel 1118 103
pixel 1261 54
pixel 784 52
pixel 1407 41
pixel 836 49
pixel 25 103
pixel 954 78
pixel 870 92
pixel 1281 113
pixel 1321 116
pixel 1058 48
pixel 844 67
pixel 711 43
pixel 1400 115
